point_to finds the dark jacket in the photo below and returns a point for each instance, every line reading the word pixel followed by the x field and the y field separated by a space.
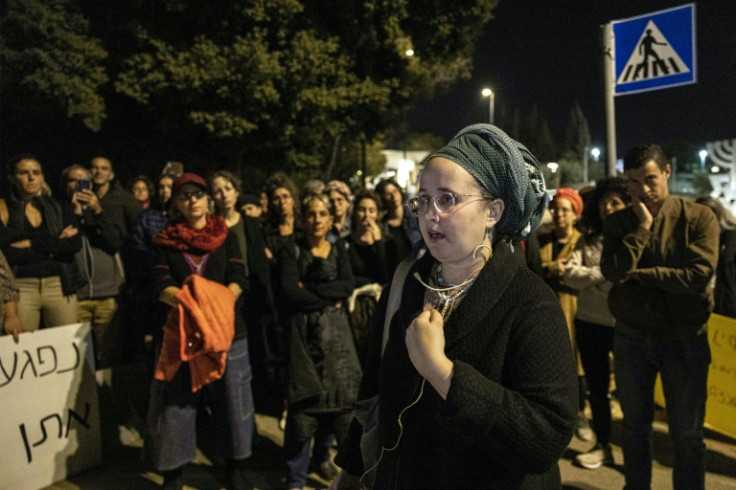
pixel 224 266
pixel 123 212
pixel 48 255
pixel 402 242
pixel 512 404
pixel 725 291
pixel 323 367
pixel 98 261
pixel 259 300
pixel 368 262
pixel 661 276
pixel 123 207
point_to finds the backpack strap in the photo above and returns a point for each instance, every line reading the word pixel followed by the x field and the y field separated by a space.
pixel 394 298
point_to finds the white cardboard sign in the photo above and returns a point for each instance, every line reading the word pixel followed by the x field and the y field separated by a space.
pixel 49 414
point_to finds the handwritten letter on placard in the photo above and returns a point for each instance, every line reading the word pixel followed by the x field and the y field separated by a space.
pixel 49 416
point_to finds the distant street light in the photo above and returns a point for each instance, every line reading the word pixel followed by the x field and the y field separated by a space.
pixel 553 166
pixel 491 96
pixel 703 155
pixel 409 52
pixel 589 151
pixel 715 169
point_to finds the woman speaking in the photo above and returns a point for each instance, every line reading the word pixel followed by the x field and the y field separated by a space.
pixel 476 385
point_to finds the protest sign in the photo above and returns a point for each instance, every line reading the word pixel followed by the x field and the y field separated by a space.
pixel 49 415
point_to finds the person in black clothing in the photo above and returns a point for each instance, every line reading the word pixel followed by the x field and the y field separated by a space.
pixel 476 385
pixel 367 250
pixel 402 231
pixel 283 226
pixel 367 246
pixel 258 304
pixel 724 294
pixel 98 261
pixel 315 280
pixel 39 237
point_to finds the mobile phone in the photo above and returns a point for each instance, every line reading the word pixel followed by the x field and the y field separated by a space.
pixel 82 184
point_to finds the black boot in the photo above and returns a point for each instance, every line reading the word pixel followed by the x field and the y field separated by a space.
pixel 173 480
pixel 235 478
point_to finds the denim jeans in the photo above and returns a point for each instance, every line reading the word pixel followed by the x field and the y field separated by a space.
pixel 171 426
pixel 683 366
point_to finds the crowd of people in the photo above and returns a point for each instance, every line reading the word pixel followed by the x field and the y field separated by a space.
pixel 501 337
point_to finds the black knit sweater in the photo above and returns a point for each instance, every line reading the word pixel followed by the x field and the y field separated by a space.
pixel 511 408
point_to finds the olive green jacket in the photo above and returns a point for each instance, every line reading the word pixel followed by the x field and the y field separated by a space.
pixel 663 276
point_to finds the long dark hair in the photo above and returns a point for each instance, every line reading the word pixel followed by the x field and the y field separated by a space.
pixel 591 218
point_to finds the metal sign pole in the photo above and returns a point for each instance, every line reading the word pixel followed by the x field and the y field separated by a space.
pixel 609 81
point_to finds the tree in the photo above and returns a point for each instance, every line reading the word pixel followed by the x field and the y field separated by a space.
pixel 577 134
pixel 232 82
pixel 303 76
pixel 537 136
pixel 50 59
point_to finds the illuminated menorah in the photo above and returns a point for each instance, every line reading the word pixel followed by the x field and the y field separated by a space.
pixel 723 154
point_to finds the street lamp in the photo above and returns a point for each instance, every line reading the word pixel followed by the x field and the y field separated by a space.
pixel 703 154
pixel 489 93
pixel 596 152
pixel 553 166
pixel 589 151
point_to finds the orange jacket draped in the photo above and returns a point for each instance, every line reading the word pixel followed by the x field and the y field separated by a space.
pixel 199 331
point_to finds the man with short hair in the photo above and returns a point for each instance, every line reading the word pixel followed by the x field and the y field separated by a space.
pixel 108 215
pixel 110 192
pixel 103 231
pixel 660 254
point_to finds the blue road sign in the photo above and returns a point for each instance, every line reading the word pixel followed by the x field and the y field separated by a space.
pixel 655 50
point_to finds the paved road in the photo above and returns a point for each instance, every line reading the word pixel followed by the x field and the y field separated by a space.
pixel 123 470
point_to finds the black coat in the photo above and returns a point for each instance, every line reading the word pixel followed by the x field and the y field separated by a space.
pixel 323 367
pixel 512 404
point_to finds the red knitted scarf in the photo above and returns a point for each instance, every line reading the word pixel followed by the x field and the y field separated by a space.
pixel 180 236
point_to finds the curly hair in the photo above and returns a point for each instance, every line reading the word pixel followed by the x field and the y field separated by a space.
pixel 280 180
pixel 591 218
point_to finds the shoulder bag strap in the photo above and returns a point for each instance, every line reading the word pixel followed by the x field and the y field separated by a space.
pixel 394 298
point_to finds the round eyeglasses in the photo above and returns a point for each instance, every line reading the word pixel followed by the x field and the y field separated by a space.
pixel 444 202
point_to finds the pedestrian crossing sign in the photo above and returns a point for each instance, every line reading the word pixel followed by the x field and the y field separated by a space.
pixel 655 50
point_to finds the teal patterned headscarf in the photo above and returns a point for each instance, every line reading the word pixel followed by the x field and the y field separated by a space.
pixel 506 170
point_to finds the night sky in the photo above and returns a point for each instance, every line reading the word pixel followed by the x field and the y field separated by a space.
pixel 546 53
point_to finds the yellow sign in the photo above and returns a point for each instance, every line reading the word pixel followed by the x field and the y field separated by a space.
pixel 720 409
